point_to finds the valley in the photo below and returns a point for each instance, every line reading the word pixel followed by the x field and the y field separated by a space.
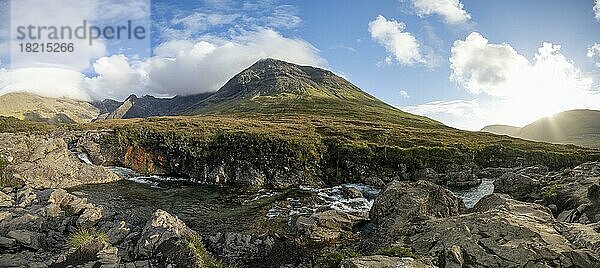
pixel 287 158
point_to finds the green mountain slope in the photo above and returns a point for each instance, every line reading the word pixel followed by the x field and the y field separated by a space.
pixel 303 122
pixel 276 87
pixel 41 109
pixel 310 120
pixel 502 130
pixel 579 127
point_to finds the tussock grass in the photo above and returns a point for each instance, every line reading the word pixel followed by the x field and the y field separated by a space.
pixel 333 259
pixel 84 237
pixel 396 251
pixel 203 258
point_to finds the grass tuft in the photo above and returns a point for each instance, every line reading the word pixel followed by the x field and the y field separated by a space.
pixel 396 251
pixel 333 259
pixel 203 258
pixel 550 193
pixel 84 237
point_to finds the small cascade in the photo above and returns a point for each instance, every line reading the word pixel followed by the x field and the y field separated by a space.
pixel 84 157
pixel 473 195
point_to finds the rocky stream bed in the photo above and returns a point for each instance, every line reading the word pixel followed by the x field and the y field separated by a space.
pixel 67 212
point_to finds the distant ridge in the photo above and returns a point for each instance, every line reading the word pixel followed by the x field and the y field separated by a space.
pixel 270 86
pixel 147 106
pixel 43 109
pixel 502 130
pixel 579 127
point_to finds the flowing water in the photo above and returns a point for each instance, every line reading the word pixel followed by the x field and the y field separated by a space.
pixel 209 208
pixel 473 195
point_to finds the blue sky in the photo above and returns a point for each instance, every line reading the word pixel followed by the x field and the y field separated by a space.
pixel 467 63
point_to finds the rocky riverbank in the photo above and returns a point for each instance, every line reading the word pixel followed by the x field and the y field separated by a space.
pixel 534 218
pixel 45 161
pixel 53 228
pixel 559 230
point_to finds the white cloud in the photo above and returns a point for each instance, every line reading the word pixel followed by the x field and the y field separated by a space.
pixel 511 89
pixel 187 27
pixel 284 16
pixel 47 81
pixel 187 68
pixel 271 15
pixel 239 17
pixel 454 107
pixel 483 67
pixel 498 70
pixel 403 46
pixel 452 11
pixel 455 113
pixel 178 68
pixel 45 13
pixel 593 53
pixel 116 10
pixel 187 62
pixel 115 79
pixel 597 10
pixel 404 94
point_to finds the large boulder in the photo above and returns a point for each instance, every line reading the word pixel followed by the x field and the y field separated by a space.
pixel 499 232
pixel 583 235
pixel 378 261
pixel 44 161
pixel 518 185
pixel 404 204
pixel 327 225
pixel 161 227
pixel 575 193
pixel 26 238
pixel 168 242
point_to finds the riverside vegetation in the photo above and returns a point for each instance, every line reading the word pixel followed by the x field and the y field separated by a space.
pixel 301 161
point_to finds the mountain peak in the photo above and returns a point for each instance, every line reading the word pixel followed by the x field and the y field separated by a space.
pixel 272 77
pixel 272 86
pixel 132 98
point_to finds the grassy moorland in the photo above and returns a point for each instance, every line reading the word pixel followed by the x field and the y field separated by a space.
pixel 337 148
pixel 329 146
pixel 280 117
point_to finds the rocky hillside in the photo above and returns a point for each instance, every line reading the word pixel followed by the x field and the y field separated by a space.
pixel 276 87
pixel 550 217
pixel 53 228
pixel 41 109
pixel 412 223
pixel 147 106
pixel 579 127
pixel 271 87
pixel 45 161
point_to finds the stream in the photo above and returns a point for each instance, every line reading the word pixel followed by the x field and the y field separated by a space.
pixel 210 208
pixel 473 195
